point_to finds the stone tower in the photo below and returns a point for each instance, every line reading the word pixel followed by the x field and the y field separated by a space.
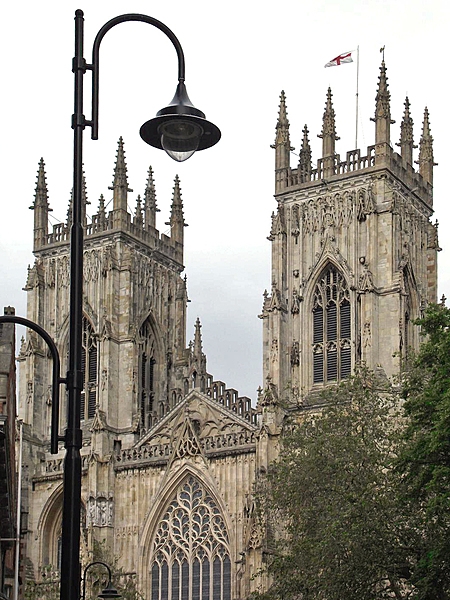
pixel 353 253
pixel 161 436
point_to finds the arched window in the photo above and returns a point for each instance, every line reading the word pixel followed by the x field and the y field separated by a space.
pixel 331 328
pixel 147 363
pixel 89 367
pixel 191 557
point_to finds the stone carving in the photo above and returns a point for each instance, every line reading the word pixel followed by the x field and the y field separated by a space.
pixel 295 354
pixel 51 273
pixel 100 511
pixel 366 280
pixel 296 299
pixel 274 351
pixel 319 214
pixel 367 335
pixel 295 226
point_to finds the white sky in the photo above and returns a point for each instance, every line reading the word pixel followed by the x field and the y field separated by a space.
pixel 239 56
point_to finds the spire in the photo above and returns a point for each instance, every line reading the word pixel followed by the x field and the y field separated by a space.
pixel 328 136
pixel 138 219
pixel 426 157
pixel 176 222
pixel 304 163
pixel 120 182
pixel 41 208
pixel 382 117
pixel 150 208
pixel 407 135
pixel 282 146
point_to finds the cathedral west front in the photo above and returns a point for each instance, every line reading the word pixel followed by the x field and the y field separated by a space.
pixel 171 453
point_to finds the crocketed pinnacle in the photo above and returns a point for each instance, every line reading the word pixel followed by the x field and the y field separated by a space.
pixel 120 168
pixel 120 181
pixel 41 191
pixel 101 213
pixel 426 156
pixel 383 105
pixel 382 117
pixel 138 219
pixel 150 208
pixel 304 164
pixel 426 140
pixel 329 119
pixel 407 134
pixel 176 213
pixel 328 135
pixel 282 127
pixel 198 348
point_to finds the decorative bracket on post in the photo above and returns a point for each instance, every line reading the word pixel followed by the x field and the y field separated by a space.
pixel 56 379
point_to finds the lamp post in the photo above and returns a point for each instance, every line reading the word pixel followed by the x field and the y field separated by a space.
pixel 180 129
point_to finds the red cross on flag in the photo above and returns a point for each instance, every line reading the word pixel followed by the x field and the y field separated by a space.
pixel 345 57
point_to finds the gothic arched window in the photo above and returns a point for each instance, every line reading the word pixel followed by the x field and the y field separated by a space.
pixel 89 367
pixel 331 328
pixel 191 557
pixel 147 362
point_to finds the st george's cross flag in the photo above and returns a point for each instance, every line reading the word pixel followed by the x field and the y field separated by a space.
pixel 345 57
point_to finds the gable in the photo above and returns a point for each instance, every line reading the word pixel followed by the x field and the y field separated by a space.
pixel 211 422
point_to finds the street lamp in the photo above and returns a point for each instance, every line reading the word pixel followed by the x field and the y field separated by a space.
pixel 180 129
pixel 109 591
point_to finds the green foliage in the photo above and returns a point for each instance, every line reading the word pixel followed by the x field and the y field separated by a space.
pixel 46 589
pixel 425 459
pixel 332 489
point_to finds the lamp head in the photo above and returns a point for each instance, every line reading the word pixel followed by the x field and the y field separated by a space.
pixel 180 129
pixel 110 592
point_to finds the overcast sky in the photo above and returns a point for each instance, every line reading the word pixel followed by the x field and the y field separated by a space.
pixel 239 56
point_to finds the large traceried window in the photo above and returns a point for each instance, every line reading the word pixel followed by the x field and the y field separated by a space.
pixel 331 328
pixel 147 363
pixel 191 558
pixel 89 367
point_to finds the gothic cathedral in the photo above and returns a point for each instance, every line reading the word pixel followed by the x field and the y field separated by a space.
pixel 170 454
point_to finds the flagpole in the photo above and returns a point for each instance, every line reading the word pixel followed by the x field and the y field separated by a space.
pixel 357 95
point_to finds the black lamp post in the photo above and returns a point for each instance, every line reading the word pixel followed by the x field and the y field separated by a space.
pixel 180 129
pixel 109 591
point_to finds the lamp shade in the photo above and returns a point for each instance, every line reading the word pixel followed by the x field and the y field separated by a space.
pixel 180 129
pixel 109 592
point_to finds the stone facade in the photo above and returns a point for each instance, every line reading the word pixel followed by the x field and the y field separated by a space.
pixel 8 472
pixel 169 453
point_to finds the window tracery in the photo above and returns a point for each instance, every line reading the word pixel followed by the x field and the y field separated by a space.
pixel 331 327
pixel 89 368
pixel 147 362
pixel 191 557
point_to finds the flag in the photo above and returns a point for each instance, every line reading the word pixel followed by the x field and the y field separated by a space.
pixel 345 57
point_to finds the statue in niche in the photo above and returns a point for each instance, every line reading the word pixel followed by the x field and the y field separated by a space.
pixel 295 354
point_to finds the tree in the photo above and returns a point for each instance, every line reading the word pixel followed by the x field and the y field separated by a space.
pixel 333 489
pixel 425 459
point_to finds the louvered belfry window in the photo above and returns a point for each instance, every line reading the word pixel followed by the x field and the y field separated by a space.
pixel 89 368
pixel 147 364
pixel 191 556
pixel 331 328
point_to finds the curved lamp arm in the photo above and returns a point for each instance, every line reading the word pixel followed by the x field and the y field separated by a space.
pixel 96 51
pixel 56 379
pixel 110 591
